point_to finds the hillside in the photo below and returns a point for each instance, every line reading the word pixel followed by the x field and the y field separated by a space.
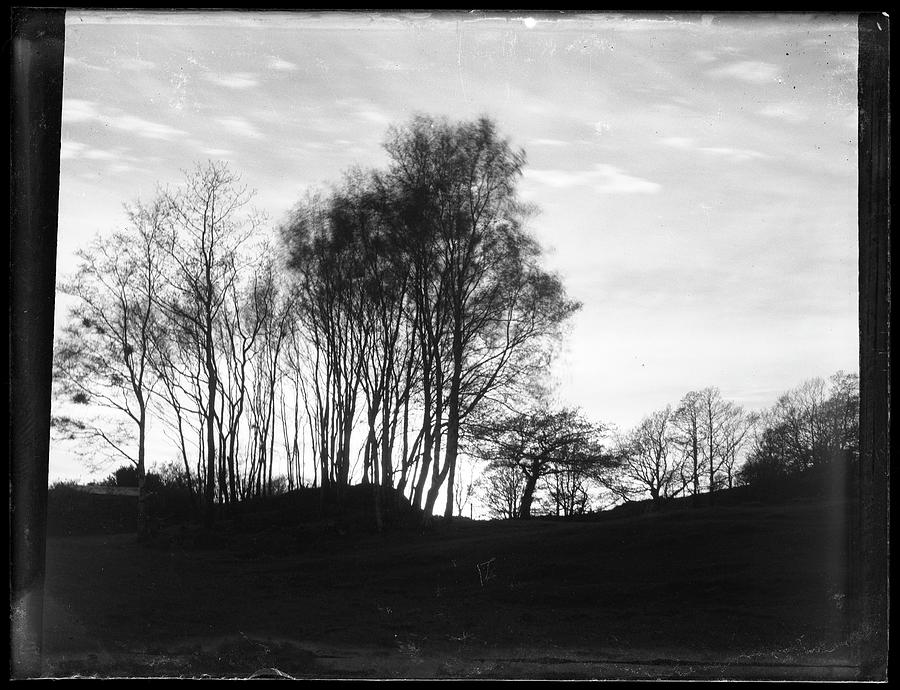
pixel 749 589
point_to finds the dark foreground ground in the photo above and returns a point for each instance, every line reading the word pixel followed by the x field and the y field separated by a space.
pixel 728 591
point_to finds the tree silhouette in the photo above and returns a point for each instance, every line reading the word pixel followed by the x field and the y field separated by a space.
pixel 105 353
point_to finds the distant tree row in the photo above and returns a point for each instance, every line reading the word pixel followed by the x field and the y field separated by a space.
pixel 701 445
pixel 355 345
pixel 686 449
pixel 812 425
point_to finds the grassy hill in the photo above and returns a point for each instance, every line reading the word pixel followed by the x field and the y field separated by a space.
pixel 740 588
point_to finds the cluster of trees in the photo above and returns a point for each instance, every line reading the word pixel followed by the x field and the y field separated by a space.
pixel 394 324
pixel 364 337
pixel 701 445
pixel 682 450
pixel 812 425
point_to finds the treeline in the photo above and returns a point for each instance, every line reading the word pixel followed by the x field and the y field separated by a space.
pixel 702 444
pixel 810 426
pixel 356 342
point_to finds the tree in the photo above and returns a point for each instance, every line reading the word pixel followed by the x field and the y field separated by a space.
pixel 501 491
pixel 648 460
pixel 325 261
pixel 713 418
pixel 465 489
pixel 737 427
pixel 209 222
pixel 688 422
pixel 812 425
pixel 105 353
pixel 537 444
pixel 480 295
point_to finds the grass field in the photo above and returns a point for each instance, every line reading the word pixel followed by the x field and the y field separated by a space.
pixel 749 590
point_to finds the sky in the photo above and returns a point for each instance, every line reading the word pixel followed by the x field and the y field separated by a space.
pixel 696 174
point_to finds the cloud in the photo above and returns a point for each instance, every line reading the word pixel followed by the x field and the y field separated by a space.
pixel 363 109
pixel 784 111
pixel 374 116
pixel 217 153
pixel 735 154
pixel 678 142
pixel 280 65
pixel 239 126
pixel 235 80
pixel 71 150
pixel 136 64
pixel 69 62
pixel 751 71
pixel 603 178
pixel 77 110
pixel 145 128
pixel 548 142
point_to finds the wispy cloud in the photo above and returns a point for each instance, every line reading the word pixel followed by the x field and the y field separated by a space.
pixel 603 178
pixel 280 65
pixel 678 142
pixel 73 150
pixel 235 80
pixel 734 154
pixel 76 111
pixel 737 155
pixel 547 142
pixel 364 110
pixel 374 116
pixel 785 111
pixel 751 71
pixel 135 64
pixel 217 153
pixel 145 128
pixel 70 62
pixel 239 126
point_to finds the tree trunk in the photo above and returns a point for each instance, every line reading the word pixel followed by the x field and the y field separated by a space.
pixel 210 487
pixel 427 441
pixel 452 433
pixel 387 470
pixel 143 520
pixel 527 497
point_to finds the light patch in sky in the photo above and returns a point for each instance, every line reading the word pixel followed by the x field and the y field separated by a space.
pixel 603 178
pixel 238 80
pixel 754 72
pixel 239 126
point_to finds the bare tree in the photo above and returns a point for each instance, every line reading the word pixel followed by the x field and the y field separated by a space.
pixel 537 444
pixel 479 292
pixel 713 418
pixel 812 425
pixel 648 460
pixel 210 220
pixel 501 491
pixel 737 426
pixel 107 347
pixel 688 422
